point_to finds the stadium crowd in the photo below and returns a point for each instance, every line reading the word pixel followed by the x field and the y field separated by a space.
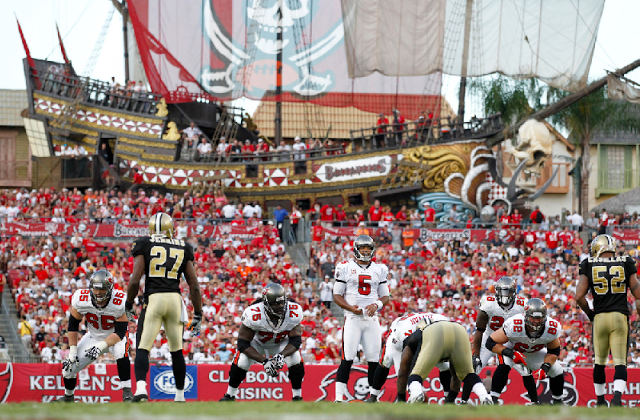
pixel 447 277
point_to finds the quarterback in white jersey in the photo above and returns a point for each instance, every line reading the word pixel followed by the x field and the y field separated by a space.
pixel 494 310
pixel 360 289
pixel 401 328
pixel 103 309
pixel 533 340
pixel 270 334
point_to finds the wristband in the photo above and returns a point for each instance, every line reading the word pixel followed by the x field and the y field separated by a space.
pixel 379 304
pixel 73 350
pixel 507 352
pixel 545 367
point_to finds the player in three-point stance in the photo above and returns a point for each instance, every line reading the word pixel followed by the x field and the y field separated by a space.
pixel 532 339
pixel 270 334
pixel 608 278
pixel 401 328
pixel 103 309
pixel 360 289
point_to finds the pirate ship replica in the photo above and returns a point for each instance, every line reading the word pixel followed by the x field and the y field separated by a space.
pixel 297 54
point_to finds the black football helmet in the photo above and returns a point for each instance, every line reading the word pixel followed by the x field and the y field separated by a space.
pixel 535 316
pixel 506 292
pixel 274 298
pixel 100 288
pixel 364 241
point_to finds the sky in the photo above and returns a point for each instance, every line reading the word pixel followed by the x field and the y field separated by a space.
pixel 80 23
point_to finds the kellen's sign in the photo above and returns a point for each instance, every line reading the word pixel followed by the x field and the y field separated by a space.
pixel 354 169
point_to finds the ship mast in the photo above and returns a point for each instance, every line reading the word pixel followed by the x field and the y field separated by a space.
pixel 465 60
pixel 278 116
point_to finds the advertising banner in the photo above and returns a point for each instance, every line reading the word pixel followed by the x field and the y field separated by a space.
pixel 99 383
pixel 119 230
pixel 474 235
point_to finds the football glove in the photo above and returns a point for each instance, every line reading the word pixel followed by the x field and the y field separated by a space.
pixel 94 352
pixel 270 368
pixel 519 358
pixel 416 393
pixel 477 362
pixel 195 325
pixel 130 312
pixel 539 375
pixel 278 361
pixel 71 361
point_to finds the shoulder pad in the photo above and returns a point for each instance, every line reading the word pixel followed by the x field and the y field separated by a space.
pixel 487 303
pixel 252 316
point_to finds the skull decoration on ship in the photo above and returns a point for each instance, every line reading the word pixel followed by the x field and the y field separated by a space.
pixel 471 172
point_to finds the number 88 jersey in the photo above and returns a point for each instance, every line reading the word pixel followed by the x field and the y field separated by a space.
pixel 101 322
pixel 514 328
pixel 363 284
pixel 497 315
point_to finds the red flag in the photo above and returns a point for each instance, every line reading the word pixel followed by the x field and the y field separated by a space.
pixel 64 52
pixel 32 63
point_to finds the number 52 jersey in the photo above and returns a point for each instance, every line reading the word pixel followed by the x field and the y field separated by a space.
pixel 363 284
pixel 101 322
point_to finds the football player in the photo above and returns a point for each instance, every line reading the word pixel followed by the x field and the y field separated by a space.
pixel 533 340
pixel 103 310
pixel 401 328
pixel 433 343
pixel 270 334
pixel 608 278
pixel 360 289
pixel 163 260
pixel 494 310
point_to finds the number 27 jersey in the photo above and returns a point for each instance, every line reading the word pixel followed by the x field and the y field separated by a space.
pixel 362 283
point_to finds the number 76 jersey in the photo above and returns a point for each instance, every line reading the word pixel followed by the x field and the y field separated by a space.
pixel 101 322
pixel 363 284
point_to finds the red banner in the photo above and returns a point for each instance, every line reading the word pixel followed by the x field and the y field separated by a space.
pixel 119 230
pixel 474 235
pixel 628 236
pixel 100 383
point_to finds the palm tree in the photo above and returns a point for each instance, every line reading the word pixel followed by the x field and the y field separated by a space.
pixel 517 99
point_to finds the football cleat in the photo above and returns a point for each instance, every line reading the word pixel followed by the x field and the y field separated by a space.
pixel 227 397
pixel 296 399
pixel 616 402
pixel 487 400
pixel 140 398
pixel 66 398
pixel 127 395
pixel 372 399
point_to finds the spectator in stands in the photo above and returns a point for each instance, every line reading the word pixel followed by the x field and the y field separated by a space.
pixel 429 216
pixel 104 153
pixel 592 222
pixel 604 222
pixel 341 217
pixel 223 353
pixel 235 151
pixel 536 217
pixel 25 329
pixel 248 150
pixel 284 150
pixel 375 213
pixel 381 131
pixel 279 214
pixel 314 146
pixel 262 149
pixel 398 128
pixel 327 215
pixel 223 149
pixel 192 132
pixel 416 220
pixel 576 220
pixel 204 150
pixel 298 147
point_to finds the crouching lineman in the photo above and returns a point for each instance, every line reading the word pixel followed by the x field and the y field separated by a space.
pixel 103 309
pixel 270 334
pixel 494 310
pixel 401 328
pixel 432 344
pixel 532 340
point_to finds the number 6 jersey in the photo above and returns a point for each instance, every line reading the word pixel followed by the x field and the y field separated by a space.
pixel 363 284
pixel 100 321
pixel 497 315
pixel 514 328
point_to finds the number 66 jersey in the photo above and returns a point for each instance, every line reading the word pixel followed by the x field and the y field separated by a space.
pixel 101 322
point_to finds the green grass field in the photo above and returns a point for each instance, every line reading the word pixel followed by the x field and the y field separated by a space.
pixel 288 410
